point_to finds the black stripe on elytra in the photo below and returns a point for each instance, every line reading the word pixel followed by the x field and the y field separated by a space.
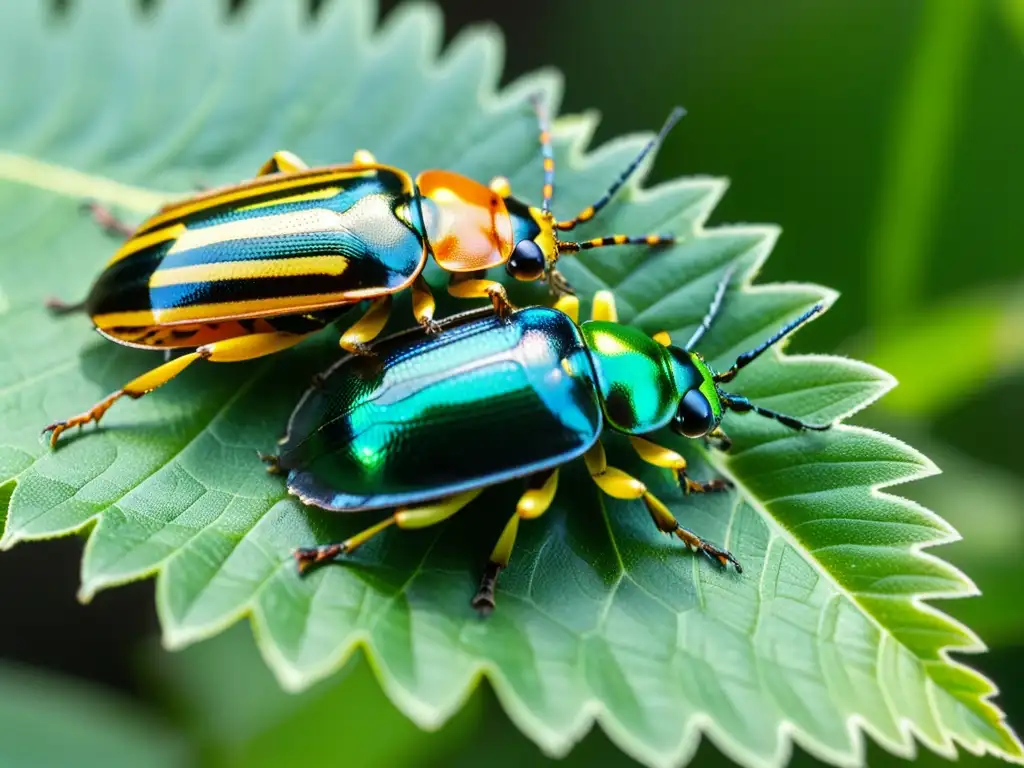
pixel 352 189
pixel 220 291
pixel 126 282
pixel 136 294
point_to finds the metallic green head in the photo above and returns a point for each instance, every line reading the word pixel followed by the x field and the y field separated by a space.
pixel 700 407
pixel 645 386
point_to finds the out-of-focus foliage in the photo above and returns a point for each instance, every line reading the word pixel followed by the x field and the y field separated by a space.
pixel 233 709
pixel 813 109
pixel 47 720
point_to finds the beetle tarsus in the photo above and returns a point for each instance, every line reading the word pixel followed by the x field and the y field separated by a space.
pixel 107 220
pixel 430 325
pixel 360 349
pixel 309 557
pixel 56 306
pixel 272 461
pixel 721 557
pixel 558 285
pixel 499 300
pixel 718 439
pixel 94 414
pixel 483 600
pixel 717 485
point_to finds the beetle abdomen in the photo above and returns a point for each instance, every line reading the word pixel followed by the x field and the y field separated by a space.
pixel 479 403
pixel 334 240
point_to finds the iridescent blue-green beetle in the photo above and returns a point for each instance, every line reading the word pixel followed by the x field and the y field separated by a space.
pixel 251 269
pixel 430 421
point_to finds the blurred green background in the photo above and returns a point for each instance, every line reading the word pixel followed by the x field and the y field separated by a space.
pixel 885 137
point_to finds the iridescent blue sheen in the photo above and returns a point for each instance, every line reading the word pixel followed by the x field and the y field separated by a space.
pixel 484 401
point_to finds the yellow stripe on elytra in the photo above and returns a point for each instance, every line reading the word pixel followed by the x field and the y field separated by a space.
pixel 245 270
pixel 136 244
pixel 228 310
pixel 316 194
pixel 264 185
pixel 295 223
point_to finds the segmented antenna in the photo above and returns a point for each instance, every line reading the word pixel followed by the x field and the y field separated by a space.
pixel 716 305
pixel 546 151
pixel 588 213
pixel 748 357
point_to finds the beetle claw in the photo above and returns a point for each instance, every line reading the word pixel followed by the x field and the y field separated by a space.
pixel 272 461
pixel 360 349
pixel 430 325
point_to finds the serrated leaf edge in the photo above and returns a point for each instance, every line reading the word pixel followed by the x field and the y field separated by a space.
pixel 69 182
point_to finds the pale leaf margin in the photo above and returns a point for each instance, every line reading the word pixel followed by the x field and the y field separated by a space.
pixel 578 131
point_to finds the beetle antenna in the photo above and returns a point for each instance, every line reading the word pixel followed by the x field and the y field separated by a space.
pixel 566 246
pixel 716 305
pixel 546 151
pixel 748 357
pixel 742 405
pixel 588 213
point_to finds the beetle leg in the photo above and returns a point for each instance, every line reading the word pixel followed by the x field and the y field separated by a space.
pixel 367 328
pixel 603 307
pixel 662 338
pixel 621 485
pixel 557 284
pixel 570 305
pixel 532 504
pixel 107 220
pixel 282 161
pixel 57 307
pixel 470 286
pixel 226 351
pixel 660 456
pixel 363 157
pixel 423 305
pixel 407 518
pixel 718 439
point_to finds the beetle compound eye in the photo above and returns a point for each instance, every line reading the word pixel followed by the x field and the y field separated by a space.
pixel 526 261
pixel 695 417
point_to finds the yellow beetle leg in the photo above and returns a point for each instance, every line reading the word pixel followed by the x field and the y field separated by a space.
pixel 282 161
pixel 532 504
pixel 663 457
pixel 367 328
pixel 570 305
pixel 604 307
pixel 663 338
pixel 226 351
pixel 407 518
pixel 471 286
pixel 363 157
pixel 423 305
pixel 622 485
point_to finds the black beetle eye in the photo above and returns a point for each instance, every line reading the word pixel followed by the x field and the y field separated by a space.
pixel 694 417
pixel 526 261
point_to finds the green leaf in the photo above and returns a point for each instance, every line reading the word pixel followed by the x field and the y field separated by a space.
pixel 985 501
pixel 48 720
pixel 600 617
